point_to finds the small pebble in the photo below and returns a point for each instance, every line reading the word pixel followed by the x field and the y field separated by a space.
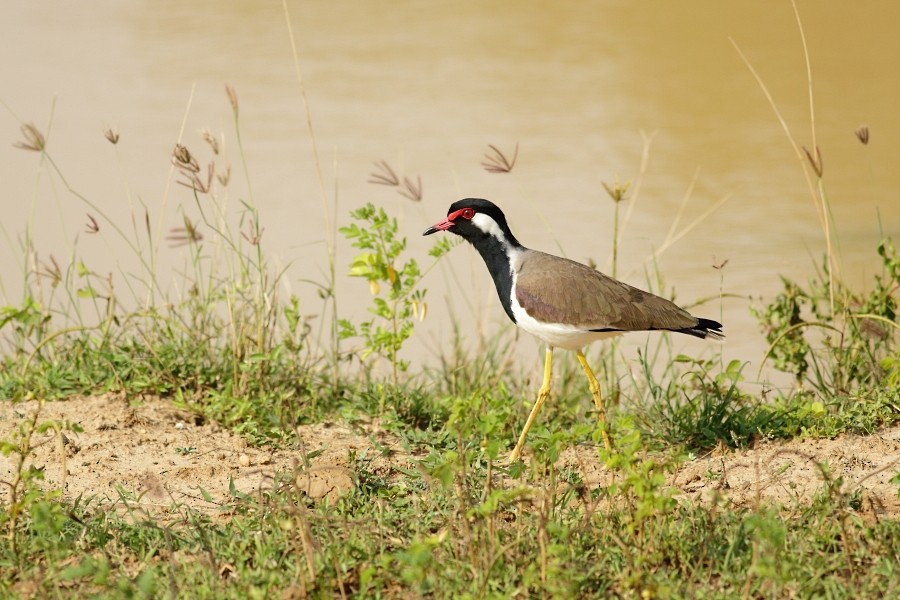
pixel 244 460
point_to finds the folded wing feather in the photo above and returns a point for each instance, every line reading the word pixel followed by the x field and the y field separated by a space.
pixel 574 294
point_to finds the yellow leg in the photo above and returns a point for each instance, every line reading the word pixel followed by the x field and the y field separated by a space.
pixel 543 394
pixel 598 399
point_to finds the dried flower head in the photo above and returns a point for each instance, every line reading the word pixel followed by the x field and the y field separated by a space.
pixel 254 232
pixel 224 177
pixel 92 225
pixel 211 140
pixel 183 159
pixel 496 161
pixel 412 189
pixel 232 98
pixel 862 134
pixel 34 139
pixel 51 271
pixel 185 162
pixel 387 175
pixel 111 136
pixel 815 161
pixel 616 191
pixel 407 188
pixel 180 236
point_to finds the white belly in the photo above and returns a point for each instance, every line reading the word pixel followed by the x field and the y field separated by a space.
pixel 559 335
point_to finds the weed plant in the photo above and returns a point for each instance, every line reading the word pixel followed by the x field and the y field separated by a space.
pixel 841 342
pixel 394 316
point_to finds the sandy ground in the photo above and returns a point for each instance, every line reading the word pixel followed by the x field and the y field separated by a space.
pixel 155 456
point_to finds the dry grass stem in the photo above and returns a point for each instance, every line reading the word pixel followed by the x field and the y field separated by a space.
pixel 635 190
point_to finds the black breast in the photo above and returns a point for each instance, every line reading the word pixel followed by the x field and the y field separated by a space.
pixel 497 261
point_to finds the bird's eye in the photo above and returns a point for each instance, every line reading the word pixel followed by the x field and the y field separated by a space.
pixel 468 213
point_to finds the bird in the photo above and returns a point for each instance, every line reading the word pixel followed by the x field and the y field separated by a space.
pixel 562 302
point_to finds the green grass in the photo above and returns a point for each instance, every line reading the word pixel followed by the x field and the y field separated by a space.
pixel 444 531
pixel 447 528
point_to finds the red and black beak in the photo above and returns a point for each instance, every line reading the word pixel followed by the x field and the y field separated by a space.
pixel 442 226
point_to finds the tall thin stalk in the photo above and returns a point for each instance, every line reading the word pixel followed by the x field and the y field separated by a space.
pixel 330 228
pixel 617 193
pixel 812 157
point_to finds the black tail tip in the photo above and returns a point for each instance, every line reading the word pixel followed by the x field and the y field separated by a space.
pixel 706 329
pixel 710 329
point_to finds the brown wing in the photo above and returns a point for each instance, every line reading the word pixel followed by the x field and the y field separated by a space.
pixel 574 294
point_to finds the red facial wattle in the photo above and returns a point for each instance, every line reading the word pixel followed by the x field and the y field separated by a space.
pixel 464 213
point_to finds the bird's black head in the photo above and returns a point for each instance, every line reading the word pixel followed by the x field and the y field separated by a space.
pixel 473 219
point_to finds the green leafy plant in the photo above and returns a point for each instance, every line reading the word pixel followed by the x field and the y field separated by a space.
pixel 640 479
pixel 832 338
pixel 27 323
pixel 395 312
pixel 25 500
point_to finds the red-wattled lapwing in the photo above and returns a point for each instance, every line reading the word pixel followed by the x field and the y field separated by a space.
pixel 564 303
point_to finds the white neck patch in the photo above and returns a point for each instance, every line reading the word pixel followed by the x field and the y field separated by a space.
pixel 489 226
